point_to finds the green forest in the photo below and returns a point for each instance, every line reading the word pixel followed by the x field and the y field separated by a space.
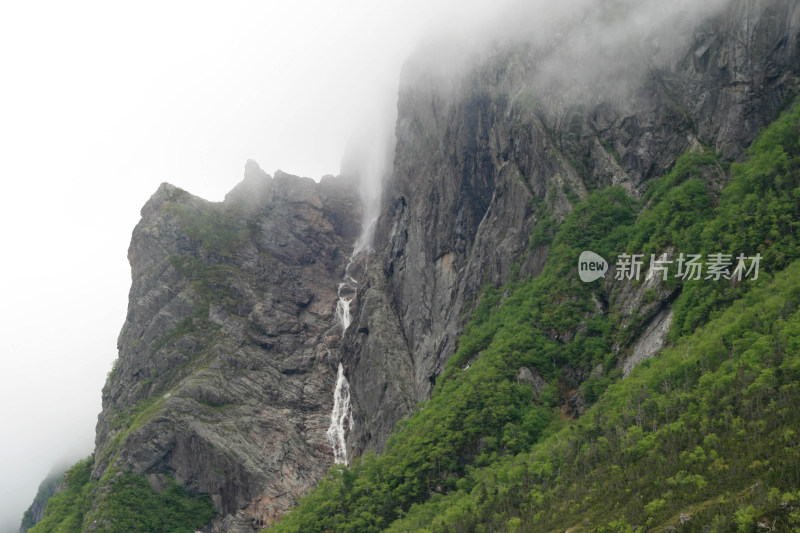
pixel 701 438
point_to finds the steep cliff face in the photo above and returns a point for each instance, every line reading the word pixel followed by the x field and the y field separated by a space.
pixel 224 380
pixel 483 159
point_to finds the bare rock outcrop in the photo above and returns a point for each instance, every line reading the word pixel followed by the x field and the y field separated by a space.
pixel 224 380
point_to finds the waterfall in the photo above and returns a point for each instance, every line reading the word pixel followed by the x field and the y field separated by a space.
pixel 343 309
pixel 340 415
pixel 364 241
pixel 369 156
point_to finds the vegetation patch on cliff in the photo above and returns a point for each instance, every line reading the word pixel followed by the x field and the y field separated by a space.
pixel 210 225
pixel 126 504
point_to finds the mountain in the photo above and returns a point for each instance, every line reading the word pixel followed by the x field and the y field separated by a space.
pixel 490 388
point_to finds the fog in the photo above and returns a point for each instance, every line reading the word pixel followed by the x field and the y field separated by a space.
pixel 102 102
pixel 576 51
pixel 604 53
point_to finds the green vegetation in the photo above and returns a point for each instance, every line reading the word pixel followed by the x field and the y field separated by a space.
pixel 132 505
pixel 707 429
pixel 210 281
pixel 678 205
pixel 65 510
pixel 133 418
pixel 759 212
pixel 211 225
pixel 128 504
pixel 543 232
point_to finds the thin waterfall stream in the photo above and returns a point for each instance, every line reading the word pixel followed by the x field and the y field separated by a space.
pixel 372 152
pixel 341 414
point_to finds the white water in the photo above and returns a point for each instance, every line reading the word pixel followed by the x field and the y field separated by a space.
pixel 343 309
pixel 364 241
pixel 341 415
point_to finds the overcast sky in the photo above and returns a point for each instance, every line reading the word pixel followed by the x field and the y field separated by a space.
pixel 102 101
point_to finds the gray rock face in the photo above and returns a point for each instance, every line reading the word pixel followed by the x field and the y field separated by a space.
pixel 577 403
pixel 480 160
pixel 650 342
pixel 224 379
pixel 532 378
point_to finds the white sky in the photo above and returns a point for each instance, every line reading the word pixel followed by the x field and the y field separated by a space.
pixel 102 101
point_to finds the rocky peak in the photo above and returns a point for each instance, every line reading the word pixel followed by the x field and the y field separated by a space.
pixel 224 380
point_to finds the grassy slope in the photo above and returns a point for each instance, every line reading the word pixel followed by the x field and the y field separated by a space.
pixel 708 425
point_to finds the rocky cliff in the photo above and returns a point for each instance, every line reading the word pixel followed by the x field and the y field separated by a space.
pixel 224 380
pixel 484 158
